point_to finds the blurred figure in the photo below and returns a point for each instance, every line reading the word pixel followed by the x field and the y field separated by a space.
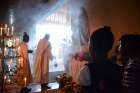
pixel 25 36
pixel 43 55
pixel 24 54
pixel 100 75
pixel 130 51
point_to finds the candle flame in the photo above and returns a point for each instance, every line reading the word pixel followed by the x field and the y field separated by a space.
pixel 5 77
pixel 6 25
pixel 12 28
pixel 8 28
pixel 9 80
pixel 19 48
pixel 25 79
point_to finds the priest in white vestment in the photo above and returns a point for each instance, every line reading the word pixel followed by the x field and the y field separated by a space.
pixel 42 57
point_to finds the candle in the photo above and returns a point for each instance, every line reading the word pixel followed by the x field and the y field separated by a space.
pixel 5 30
pixel 9 67
pixel 5 77
pixel 5 51
pixel 25 81
pixel 8 31
pixel 5 25
pixel 12 30
pixel 9 81
pixel 19 60
pixel 1 31
pixel 18 51
pixel 19 48
pixel 17 41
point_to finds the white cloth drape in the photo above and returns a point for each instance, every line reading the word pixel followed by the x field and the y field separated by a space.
pixel 76 66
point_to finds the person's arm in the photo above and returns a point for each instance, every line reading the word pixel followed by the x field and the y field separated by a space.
pixel 30 51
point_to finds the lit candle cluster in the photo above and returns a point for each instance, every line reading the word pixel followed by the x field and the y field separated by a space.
pixel 12 42
pixel 6 30
pixel 8 39
pixel 10 52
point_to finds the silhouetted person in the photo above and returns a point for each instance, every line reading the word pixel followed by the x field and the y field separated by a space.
pixel 130 50
pixel 101 75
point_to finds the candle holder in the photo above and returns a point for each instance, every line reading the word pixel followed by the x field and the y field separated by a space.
pixel 8 56
pixel 1 31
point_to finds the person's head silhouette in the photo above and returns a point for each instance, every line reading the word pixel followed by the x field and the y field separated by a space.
pixel 47 36
pixel 25 37
pixel 130 45
pixel 101 41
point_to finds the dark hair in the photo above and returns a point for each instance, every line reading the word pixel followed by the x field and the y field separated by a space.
pixel 131 44
pixel 102 39
pixel 25 37
pixel 129 38
pixel 47 36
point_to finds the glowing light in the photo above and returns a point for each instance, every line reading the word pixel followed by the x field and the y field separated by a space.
pixel 5 77
pixel 12 30
pixel 9 81
pixel 5 51
pixel 11 16
pixel 5 25
pixel 1 31
pixel 60 38
pixel 25 81
pixel 9 43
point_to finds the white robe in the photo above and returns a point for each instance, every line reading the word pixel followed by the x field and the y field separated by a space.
pixel 43 55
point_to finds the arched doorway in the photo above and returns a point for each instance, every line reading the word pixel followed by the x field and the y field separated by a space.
pixel 58 26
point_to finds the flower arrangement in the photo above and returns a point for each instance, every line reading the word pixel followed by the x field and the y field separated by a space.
pixel 66 85
pixel 82 56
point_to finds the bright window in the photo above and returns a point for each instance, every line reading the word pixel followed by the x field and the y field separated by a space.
pixel 60 37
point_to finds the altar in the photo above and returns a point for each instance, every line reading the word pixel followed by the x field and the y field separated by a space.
pixel 49 88
pixel 33 88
